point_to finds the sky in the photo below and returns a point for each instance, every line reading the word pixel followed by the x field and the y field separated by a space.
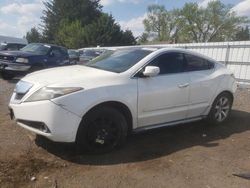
pixel 18 16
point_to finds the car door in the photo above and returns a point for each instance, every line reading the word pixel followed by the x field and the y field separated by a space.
pixel 203 84
pixel 164 98
pixel 55 57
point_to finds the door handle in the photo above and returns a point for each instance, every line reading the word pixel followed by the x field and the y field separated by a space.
pixel 183 85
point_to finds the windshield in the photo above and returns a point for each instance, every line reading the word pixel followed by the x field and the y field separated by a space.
pixel 39 49
pixel 118 61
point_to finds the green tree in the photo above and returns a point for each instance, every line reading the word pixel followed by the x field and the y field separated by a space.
pixel 127 38
pixel 33 35
pixel 216 22
pixel 71 34
pixel 81 23
pixel 86 11
pixel 164 24
pixel 156 21
pixel 143 38
pixel 105 32
pixel 243 34
pixel 192 23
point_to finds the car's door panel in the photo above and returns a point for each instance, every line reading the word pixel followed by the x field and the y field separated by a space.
pixel 163 98
pixel 55 57
pixel 160 99
pixel 201 85
pixel 201 90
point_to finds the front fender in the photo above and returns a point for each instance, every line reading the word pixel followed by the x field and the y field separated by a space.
pixel 81 102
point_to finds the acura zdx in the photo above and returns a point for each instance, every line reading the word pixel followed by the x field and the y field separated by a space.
pixel 98 104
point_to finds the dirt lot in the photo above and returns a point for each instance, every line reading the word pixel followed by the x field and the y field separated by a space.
pixel 190 155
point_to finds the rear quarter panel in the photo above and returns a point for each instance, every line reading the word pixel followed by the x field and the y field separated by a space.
pixel 226 82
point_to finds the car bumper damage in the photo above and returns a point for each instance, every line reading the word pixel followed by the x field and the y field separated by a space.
pixel 45 118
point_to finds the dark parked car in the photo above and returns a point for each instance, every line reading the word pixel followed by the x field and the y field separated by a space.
pixel 88 55
pixel 34 56
pixel 73 56
pixel 11 46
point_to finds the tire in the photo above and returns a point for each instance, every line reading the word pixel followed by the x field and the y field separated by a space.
pixel 102 130
pixel 221 108
pixel 7 76
pixel 37 67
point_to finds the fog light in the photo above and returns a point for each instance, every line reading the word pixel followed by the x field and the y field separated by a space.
pixel 35 124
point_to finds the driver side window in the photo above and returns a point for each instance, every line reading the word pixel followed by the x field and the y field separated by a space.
pixel 169 63
pixel 56 52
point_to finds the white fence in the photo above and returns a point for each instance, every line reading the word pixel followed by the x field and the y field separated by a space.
pixel 236 55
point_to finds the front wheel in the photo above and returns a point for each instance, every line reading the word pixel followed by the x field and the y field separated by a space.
pixel 102 130
pixel 221 108
pixel 7 76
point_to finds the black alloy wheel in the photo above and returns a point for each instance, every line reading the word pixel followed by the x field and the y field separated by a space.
pixel 102 130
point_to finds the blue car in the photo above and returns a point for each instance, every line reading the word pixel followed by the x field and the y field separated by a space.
pixel 34 56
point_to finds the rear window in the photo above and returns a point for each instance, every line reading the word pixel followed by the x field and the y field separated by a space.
pixel 194 63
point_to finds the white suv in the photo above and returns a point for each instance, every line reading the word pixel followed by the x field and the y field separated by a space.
pixel 99 104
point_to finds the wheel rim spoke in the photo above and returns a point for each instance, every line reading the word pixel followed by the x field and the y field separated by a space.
pixel 225 108
pixel 221 101
pixel 221 109
pixel 223 114
pixel 225 101
pixel 217 114
pixel 220 117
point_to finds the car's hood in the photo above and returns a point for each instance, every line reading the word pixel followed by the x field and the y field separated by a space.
pixel 17 53
pixel 69 76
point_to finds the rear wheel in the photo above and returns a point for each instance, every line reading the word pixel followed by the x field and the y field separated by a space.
pixel 221 108
pixel 102 130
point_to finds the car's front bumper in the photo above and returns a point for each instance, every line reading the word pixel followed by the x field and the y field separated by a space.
pixel 62 125
pixel 13 67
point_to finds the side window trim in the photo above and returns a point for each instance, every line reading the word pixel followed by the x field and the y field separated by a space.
pixel 57 49
pixel 136 74
pixel 166 53
pixel 210 62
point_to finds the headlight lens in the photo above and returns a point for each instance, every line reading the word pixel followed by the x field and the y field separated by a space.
pixel 22 60
pixel 47 93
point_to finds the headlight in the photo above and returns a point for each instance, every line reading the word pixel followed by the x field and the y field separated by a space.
pixel 22 60
pixel 47 93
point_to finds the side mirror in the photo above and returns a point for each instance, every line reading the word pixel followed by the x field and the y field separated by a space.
pixel 151 71
pixel 51 54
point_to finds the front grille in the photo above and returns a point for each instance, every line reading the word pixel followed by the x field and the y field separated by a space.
pixel 35 124
pixel 6 58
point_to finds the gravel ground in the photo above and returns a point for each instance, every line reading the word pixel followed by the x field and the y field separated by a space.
pixel 192 155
